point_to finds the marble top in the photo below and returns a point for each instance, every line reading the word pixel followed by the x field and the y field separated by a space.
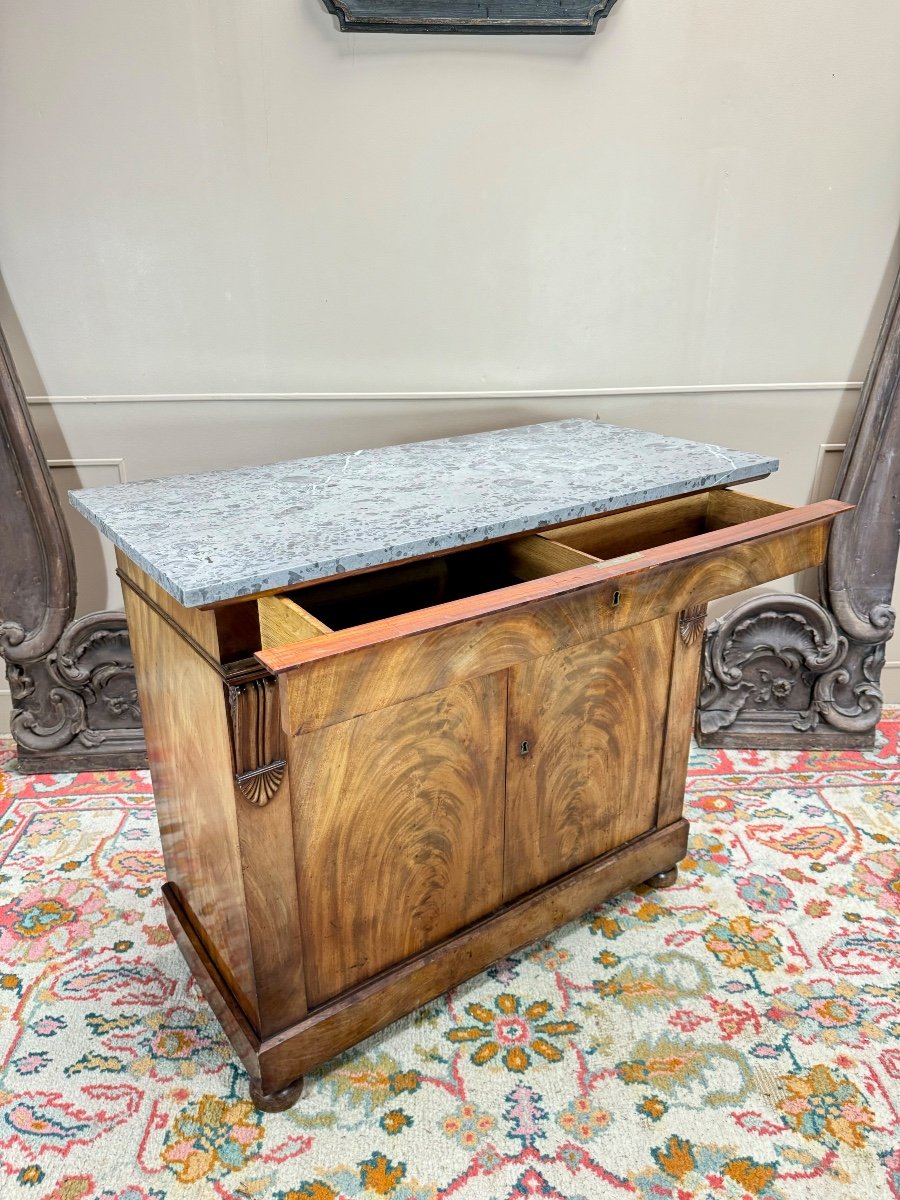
pixel 223 534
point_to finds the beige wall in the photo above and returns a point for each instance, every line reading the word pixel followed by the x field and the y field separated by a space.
pixel 687 223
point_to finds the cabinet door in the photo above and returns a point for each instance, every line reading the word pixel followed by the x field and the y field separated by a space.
pixel 585 740
pixel 398 829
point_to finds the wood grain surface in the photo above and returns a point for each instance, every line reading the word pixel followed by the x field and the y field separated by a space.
pixel 687 647
pixel 398 829
pixel 189 750
pixel 245 1040
pixel 459 778
pixel 375 1003
pixel 232 861
pixel 665 521
pixel 618 533
pixel 725 558
pixel 266 839
pixel 282 620
pixel 535 556
pixel 585 740
pixel 198 623
pixel 725 508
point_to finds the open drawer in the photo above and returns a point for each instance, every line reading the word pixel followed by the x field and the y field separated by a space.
pixel 392 591
pixel 620 569
pixel 668 521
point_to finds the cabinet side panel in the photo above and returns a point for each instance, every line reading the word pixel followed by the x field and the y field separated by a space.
pixel 687 649
pixel 586 729
pixel 199 624
pixel 398 829
pixel 266 836
pixel 188 747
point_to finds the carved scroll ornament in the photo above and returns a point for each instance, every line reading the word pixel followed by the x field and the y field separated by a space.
pixel 74 702
pixel 785 670
pixel 786 654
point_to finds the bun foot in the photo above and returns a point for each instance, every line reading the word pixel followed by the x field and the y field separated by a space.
pixel 664 879
pixel 276 1101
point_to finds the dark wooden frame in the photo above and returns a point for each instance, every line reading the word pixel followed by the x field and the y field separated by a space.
pixel 74 702
pixel 469 16
pixel 792 672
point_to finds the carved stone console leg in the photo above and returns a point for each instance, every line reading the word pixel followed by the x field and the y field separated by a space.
pixel 783 671
pixel 75 706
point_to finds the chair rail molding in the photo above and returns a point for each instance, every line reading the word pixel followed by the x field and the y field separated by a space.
pixel 74 703
pixel 481 394
pixel 788 671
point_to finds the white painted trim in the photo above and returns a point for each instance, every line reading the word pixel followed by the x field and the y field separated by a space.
pixel 701 389
pixel 118 463
pixel 825 448
pixel 890 682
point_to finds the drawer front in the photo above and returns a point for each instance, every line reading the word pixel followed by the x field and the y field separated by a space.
pixel 398 830
pixel 584 752
pixel 688 553
pixel 352 671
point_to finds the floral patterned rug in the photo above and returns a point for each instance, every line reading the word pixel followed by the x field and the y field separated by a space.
pixel 734 1038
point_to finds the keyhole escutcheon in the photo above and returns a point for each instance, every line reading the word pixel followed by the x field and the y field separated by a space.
pixel 524 748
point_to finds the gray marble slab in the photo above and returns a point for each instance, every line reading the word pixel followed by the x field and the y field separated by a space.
pixel 223 534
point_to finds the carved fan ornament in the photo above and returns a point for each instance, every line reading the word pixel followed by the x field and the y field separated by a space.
pixel 256 739
pixel 691 622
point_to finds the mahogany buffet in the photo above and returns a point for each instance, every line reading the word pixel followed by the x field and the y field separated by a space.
pixel 411 708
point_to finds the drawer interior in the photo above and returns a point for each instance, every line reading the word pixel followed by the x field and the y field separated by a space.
pixel 389 591
pixel 662 522
pixel 323 607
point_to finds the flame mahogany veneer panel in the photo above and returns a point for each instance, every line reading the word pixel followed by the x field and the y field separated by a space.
pixel 586 730
pixel 405 805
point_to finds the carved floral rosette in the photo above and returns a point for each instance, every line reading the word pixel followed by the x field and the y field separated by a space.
pixel 781 661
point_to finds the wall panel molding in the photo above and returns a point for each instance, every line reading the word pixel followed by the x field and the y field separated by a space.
pixel 118 463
